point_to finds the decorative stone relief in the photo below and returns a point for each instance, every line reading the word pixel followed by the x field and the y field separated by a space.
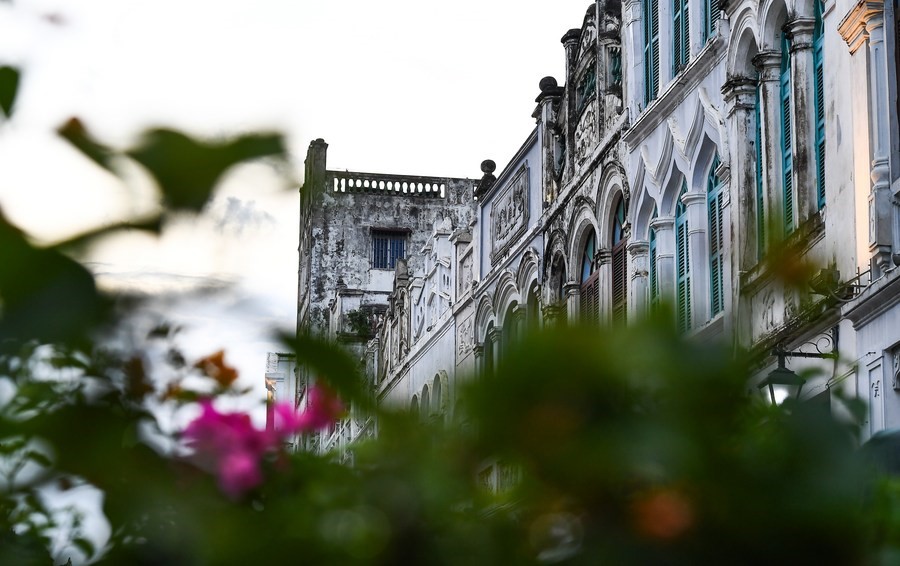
pixel 465 339
pixel 895 368
pixel 464 277
pixel 586 134
pixel 509 214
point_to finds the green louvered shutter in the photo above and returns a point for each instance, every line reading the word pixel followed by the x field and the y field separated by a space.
pixel 683 260
pixel 786 145
pixel 651 49
pixel 760 202
pixel 714 202
pixel 819 73
pixel 654 271
pixel 681 35
pixel 710 18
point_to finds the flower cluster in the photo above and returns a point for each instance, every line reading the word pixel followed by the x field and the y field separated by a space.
pixel 230 445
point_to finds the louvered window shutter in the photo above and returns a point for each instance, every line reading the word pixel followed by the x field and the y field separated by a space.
pixel 654 273
pixel 819 73
pixel 716 240
pixel 760 202
pixel 711 17
pixel 786 145
pixel 590 299
pixel 651 49
pixel 620 283
pixel 683 261
pixel 681 35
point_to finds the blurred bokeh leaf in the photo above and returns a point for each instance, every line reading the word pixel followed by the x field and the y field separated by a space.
pixel 45 295
pixel 9 88
pixel 75 132
pixel 187 170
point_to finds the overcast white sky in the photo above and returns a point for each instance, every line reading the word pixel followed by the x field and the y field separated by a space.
pixel 394 86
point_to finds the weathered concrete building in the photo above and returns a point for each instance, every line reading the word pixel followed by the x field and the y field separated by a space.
pixel 692 148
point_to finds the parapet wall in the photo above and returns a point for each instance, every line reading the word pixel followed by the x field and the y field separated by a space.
pixel 388 185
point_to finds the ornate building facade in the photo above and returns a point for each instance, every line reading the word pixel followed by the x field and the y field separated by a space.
pixel 696 153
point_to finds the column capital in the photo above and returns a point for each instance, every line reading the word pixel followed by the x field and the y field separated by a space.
pixel 662 223
pixel 739 93
pixel 768 63
pixel 693 198
pixel 638 248
pixel 859 21
pixel 572 288
pixel 801 29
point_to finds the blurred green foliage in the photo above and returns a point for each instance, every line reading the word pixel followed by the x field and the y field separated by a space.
pixel 586 446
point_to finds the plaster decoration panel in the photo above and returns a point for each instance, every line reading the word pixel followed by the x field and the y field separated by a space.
pixel 876 399
pixel 767 309
pixel 465 339
pixel 509 214
pixel 464 277
pixel 895 368
pixel 586 134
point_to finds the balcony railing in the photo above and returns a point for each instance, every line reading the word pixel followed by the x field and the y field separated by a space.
pixel 389 185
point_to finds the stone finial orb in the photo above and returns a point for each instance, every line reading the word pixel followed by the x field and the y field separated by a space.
pixel 547 83
pixel 488 166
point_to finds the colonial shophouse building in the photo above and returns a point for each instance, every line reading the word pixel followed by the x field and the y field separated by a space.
pixel 692 146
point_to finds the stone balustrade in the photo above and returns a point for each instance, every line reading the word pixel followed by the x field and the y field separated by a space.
pixel 376 183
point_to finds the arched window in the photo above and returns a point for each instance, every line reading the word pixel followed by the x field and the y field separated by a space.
pixel 760 201
pixel 650 19
pixel 683 261
pixel 654 271
pixel 819 94
pixel 714 198
pixel 787 160
pixel 488 352
pixel 710 18
pixel 619 264
pixel 590 290
pixel 681 35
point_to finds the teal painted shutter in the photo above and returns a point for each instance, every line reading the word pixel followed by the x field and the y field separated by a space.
pixel 619 265
pixel 681 35
pixel 786 155
pixel 760 202
pixel 683 260
pixel 819 74
pixel 651 49
pixel 714 199
pixel 710 18
pixel 654 273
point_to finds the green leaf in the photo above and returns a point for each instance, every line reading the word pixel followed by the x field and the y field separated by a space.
pixel 187 170
pixel 75 132
pixel 9 87
pixel 38 458
pixel 46 295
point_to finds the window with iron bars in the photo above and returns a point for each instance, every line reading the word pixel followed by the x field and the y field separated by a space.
pixel 387 247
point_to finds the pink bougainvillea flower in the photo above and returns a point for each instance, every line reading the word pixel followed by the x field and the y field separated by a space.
pixel 228 444
pixel 239 473
pixel 322 409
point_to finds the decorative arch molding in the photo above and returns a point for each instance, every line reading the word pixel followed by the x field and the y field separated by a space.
pixel 529 270
pixel 607 210
pixel 505 294
pixel 773 14
pixel 700 167
pixel 744 44
pixel 670 191
pixel 556 245
pixel 612 183
pixel 582 221
pixel 484 316
pixel 708 121
pixel 441 393
pixel 658 168
pixel 642 213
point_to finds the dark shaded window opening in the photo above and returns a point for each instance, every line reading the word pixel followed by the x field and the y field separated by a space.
pixel 387 247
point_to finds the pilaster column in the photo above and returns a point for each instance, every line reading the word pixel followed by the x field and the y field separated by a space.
pixel 632 56
pixel 603 263
pixel 554 314
pixel 768 63
pixel 638 287
pixel 695 204
pixel 740 104
pixel 573 299
pixel 865 24
pixel 665 256
pixel 494 335
pixel 803 108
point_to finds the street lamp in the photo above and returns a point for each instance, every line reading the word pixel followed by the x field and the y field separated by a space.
pixel 782 382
